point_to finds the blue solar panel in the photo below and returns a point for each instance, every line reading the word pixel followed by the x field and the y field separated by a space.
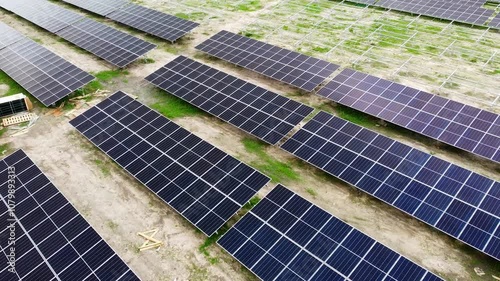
pixel 201 182
pixel 253 109
pixel 285 237
pixel 452 199
pixel 463 126
pixel 52 240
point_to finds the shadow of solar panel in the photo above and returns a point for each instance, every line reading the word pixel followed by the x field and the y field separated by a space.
pixel 463 204
pixel 285 237
pixel 463 126
pixel 8 35
pixel 287 66
pixel 42 13
pixel 52 239
pixel 204 184
pixel 264 114
pixel 464 11
pixel 159 24
pixel 42 73
pixel 100 7
pixel 110 44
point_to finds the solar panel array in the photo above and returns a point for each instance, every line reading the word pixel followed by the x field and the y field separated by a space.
pixel 495 22
pixel 287 66
pixel 8 35
pixel 454 123
pixel 466 11
pixel 42 13
pixel 110 44
pixel 42 73
pixel 461 203
pixel 52 240
pixel 159 24
pixel 198 180
pixel 100 7
pixel 285 237
pixel 253 109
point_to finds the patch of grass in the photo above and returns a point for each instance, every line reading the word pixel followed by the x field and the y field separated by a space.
pixel 2 131
pixel 252 203
pixel 211 241
pixel 102 78
pixel 251 6
pixel 14 88
pixel 5 148
pixel 354 116
pixel 173 107
pixel 147 60
pixel 311 192
pixel 103 166
pixel 192 16
pixel 276 170
pixel 197 273
pixel 112 225
pixel 252 34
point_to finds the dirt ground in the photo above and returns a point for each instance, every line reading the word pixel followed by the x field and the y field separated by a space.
pixel 118 207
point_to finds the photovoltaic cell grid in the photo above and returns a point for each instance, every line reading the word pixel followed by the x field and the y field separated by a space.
pixel 53 241
pixel 253 109
pixel 8 35
pixel 42 13
pixel 99 7
pixel 159 24
pixel 471 12
pixel 287 66
pixel 461 203
pixel 495 22
pixel 42 73
pixel 198 180
pixel 454 123
pixel 285 237
pixel 110 44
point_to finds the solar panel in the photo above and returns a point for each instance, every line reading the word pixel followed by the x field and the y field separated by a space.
pixel 110 44
pixel 287 66
pixel 461 203
pixel 42 13
pixel 465 11
pixel 10 105
pixel 52 240
pixel 454 123
pixel 99 7
pixel 8 35
pixel 495 22
pixel 253 109
pixel 285 237
pixel 204 184
pixel 42 73
pixel 159 24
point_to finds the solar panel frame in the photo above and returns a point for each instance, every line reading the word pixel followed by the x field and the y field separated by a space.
pixel 458 202
pixel 286 237
pixel 9 35
pixel 209 186
pixel 102 8
pixel 56 242
pixel 154 22
pixel 259 112
pixel 286 66
pixel 42 73
pixel 42 13
pixel 114 46
pixel 468 128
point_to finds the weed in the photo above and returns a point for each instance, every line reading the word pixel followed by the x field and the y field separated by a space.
pixel 112 225
pixel 2 131
pixel 355 116
pixel 252 203
pixel 209 242
pixel 103 166
pixel 4 148
pixel 311 192
pixel 276 170
pixel 251 6
pixel 147 60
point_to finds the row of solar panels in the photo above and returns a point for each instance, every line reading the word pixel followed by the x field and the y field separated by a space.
pixel 112 45
pixel 283 238
pixel 465 11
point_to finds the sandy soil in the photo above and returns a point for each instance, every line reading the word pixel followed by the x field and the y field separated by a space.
pixel 118 207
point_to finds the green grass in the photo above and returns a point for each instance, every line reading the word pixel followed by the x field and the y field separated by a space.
pixel 14 88
pixel 276 170
pixel 103 166
pixel 354 116
pixel 147 60
pixel 251 6
pixel 173 107
pixel 3 131
pixel 4 148
pixel 192 16
pixel 211 241
pixel 311 192
pixel 102 78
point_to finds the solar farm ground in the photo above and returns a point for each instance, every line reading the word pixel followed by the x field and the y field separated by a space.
pixel 456 61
